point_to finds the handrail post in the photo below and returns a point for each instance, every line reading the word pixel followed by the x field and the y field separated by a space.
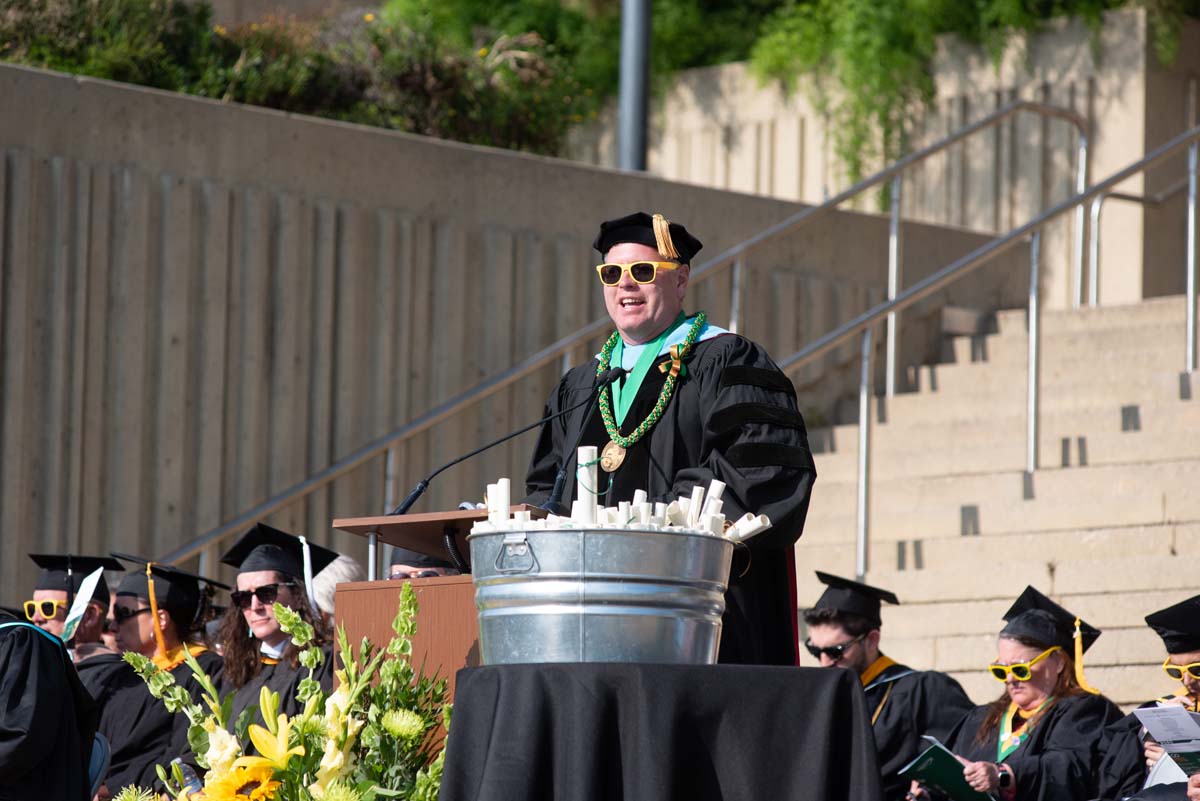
pixel 1191 258
pixel 893 288
pixel 1033 378
pixel 864 457
pixel 1094 250
pixel 1081 180
pixel 735 296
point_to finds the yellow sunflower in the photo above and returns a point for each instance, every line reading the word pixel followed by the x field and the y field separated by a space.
pixel 243 784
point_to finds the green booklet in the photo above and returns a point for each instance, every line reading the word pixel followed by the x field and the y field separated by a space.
pixel 940 769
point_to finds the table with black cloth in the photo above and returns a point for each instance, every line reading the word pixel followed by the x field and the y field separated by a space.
pixel 592 732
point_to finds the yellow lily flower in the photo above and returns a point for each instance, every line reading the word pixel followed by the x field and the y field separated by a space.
pixel 273 748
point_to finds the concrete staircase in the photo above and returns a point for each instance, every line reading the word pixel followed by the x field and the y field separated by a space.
pixel 1112 527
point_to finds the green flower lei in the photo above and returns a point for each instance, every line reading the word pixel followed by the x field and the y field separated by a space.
pixel 664 397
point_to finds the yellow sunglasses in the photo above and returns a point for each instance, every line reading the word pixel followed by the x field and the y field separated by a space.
pixel 48 608
pixel 1176 671
pixel 642 272
pixel 1021 671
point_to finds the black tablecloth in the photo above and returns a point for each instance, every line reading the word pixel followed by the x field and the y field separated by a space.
pixel 596 732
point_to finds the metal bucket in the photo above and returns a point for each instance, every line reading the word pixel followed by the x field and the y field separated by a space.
pixel 605 595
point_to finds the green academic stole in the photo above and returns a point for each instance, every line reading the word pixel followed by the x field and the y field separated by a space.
pixel 623 395
pixel 1010 741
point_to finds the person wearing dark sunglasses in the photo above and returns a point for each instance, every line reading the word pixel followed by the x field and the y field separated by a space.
pixel 1041 739
pixel 697 403
pixel 844 631
pixel 1134 765
pixel 272 567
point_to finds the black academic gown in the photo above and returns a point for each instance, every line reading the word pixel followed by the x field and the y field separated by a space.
pixel 904 705
pixel 1060 759
pixel 282 678
pixel 136 724
pixel 733 417
pixel 1123 768
pixel 47 718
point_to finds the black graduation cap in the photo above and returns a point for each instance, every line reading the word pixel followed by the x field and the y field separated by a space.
pixel 671 240
pixel 1178 626
pixel 853 597
pixel 1036 617
pixel 403 556
pixel 19 614
pixel 267 548
pixel 175 590
pixel 66 572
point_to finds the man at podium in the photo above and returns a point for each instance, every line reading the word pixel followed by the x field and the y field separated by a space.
pixel 730 415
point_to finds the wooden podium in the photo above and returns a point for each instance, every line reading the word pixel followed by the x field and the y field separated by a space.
pixel 447 637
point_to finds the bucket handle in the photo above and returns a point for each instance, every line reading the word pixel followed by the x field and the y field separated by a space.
pixel 516 547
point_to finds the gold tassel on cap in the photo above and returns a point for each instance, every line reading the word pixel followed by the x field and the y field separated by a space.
pixel 1083 685
pixel 662 236
pixel 158 635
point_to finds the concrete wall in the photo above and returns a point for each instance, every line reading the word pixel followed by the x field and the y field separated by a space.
pixel 202 304
pixel 719 127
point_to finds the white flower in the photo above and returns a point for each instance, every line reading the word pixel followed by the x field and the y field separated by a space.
pixel 223 749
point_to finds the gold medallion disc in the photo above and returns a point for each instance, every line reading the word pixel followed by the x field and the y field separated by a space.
pixel 611 457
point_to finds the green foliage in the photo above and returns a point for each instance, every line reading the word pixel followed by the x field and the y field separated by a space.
pixel 868 63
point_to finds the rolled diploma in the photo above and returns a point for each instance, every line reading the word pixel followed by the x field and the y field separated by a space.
pixel 586 482
pixel 749 525
pixel 498 506
pixel 675 515
pixel 696 507
pixel 715 490
pixel 639 496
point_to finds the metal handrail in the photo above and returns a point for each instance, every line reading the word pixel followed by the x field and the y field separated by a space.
pixel 863 323
pixel 732 257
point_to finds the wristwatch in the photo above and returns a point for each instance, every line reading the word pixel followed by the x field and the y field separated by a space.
pixel 1006 777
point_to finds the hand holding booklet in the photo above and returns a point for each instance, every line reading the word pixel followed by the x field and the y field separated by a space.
pixel 1177 731
pixel 939 768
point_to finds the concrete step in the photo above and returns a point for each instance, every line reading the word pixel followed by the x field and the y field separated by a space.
pixel 1161 342
pixel 1083 377
pixel 982 444
pixel 1069 499
pixel 1147 313
pixel 890 561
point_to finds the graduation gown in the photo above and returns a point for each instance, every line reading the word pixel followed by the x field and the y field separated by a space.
pixel 282 678
pixel 47 718
pixel 1123 768
pixel 733 417
pixel 1060 758
pixel 137 725
pixel 905 704
pixel 213 665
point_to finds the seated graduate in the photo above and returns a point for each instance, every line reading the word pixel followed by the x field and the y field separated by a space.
pixel 57 584
pixel 273 566
pixel 160 612
pixel 407 564
pixel 844 631
pixel 1041 738
pixel 47 717
pixel 1129 754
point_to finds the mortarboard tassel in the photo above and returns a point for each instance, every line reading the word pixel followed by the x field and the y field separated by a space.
pixel 662 236
pixel 1079 677
pixel 308 574
pixel 159 643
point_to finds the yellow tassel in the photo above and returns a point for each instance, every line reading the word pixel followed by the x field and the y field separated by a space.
pixel 662 236
pixel 1083 685
pixel 158 635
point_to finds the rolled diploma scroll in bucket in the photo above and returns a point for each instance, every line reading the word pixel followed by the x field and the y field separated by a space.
pixel 587 482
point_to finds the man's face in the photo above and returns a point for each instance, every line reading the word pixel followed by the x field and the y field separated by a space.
pixel 854 655
pixel 414 571
pixel 642 311
pixel 58 621
pixel 1191 683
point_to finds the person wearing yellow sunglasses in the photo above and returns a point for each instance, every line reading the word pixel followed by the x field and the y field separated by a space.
pixel 58 582
pixel 1040 739
pixel 1132 762
pixel 696 403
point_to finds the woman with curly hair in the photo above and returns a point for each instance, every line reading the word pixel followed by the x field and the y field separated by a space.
pixel 1040 740
pixel 273 566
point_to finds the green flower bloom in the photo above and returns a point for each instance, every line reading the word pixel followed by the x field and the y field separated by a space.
pixel 341 791
pixel 132 793
pixel 403 724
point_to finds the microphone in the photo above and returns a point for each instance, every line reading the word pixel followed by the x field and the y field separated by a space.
pixel 602 380
pixel 554 504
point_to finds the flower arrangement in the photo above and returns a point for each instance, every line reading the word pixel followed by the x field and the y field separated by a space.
pixel 376 736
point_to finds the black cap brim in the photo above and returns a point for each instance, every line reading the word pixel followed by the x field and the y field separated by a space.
pixel 66 573
pixel 1178 626
pixel 1035 617
pixel 639 228
pixel 266 548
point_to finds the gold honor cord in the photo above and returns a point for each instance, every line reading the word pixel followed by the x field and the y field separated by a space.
pixel 613 454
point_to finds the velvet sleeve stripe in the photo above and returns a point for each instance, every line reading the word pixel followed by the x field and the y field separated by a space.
pixel 742 375
pixel 734 417
pixel 769 454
